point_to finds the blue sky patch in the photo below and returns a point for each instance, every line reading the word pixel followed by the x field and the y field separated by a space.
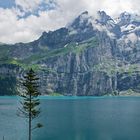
pixel 7 3
pixel 43 6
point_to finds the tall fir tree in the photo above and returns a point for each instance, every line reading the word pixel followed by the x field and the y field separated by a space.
pixel 29 103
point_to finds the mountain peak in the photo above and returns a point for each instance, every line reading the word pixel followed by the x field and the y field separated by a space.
pixel 124 18
pixel 103 17
pixel 81 22
pixel 125 14
pixel 102 13
pixel 84 13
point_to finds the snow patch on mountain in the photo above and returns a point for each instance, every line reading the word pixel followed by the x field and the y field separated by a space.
pixel 126 26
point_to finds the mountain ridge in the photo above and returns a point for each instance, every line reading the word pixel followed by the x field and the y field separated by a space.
pixel 91 56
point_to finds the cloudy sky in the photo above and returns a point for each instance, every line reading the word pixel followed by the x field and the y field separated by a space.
pixel 25 20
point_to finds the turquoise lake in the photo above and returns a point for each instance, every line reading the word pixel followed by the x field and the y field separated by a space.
pixel 75 118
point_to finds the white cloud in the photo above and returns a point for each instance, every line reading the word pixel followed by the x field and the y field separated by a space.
pixel 102 28
pixel 28 5
pixel 132 37
pixel 27 29
pixel 33 5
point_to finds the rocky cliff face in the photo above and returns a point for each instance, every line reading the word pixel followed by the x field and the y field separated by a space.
pixel 91 56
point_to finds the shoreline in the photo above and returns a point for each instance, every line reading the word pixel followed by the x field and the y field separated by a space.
pixel 74 97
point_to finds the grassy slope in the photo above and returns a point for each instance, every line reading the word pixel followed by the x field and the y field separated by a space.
pixel 44 54
pixel 77 48
pixel 72 47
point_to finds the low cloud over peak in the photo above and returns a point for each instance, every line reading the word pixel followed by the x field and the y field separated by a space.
pixel 25 20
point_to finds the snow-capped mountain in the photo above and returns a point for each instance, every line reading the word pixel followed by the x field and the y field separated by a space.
pixel 92 55
pixel 129 23
pixel 125 24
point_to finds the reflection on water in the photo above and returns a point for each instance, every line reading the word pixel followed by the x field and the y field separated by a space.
pixel 75 119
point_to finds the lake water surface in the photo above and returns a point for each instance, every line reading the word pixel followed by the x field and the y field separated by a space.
pixel 75 118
